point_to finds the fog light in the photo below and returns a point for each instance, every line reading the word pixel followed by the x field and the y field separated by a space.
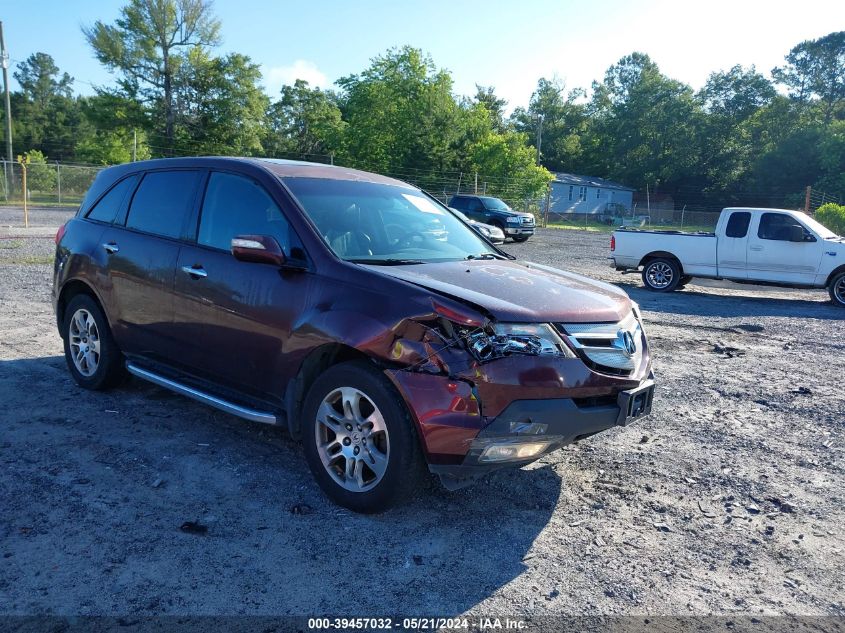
pixel 512 452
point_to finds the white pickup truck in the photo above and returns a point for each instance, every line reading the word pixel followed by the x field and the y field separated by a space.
pixel 766 246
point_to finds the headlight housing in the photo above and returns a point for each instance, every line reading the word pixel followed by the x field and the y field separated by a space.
pixel 483 230
pixel 531 339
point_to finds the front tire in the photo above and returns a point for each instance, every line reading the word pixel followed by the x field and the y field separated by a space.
pixel 359 439
pixel 836 288
pixel 521 238
pixel 661 274
pixel 92 356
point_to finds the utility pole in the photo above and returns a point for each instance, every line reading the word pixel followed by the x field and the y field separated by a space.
pixel 539 136
pixel 807 200
pixel 134 145
pixel 4 60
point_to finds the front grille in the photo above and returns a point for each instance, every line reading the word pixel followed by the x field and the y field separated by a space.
pixel 527 220
pixel 602 346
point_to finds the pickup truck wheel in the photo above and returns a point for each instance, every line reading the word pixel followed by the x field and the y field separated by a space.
pixel 92 356
pixel 837 290
pixel 359 439
pixel 521 238
pixel 661 275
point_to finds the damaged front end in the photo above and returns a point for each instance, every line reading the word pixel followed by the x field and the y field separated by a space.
pixel 487 394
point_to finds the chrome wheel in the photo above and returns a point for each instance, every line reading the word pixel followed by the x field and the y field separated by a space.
pixel 352 439
pixel 839 290
pixel 659 275
pixel 84 338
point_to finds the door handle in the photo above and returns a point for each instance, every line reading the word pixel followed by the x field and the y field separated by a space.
pixel 755 248
pixel 195 271
pixel 111 247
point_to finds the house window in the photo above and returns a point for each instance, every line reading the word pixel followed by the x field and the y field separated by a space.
pixel 571 189
pixel 582 194
pixel 598 194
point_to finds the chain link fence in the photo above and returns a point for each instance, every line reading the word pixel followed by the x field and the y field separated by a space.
pixel 46 183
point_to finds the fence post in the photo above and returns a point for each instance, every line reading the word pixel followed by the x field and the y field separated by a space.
pixel 25 200
pixel 807 200
pixel 59 180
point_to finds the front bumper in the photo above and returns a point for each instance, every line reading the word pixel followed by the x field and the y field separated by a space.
pixel 514 399
pixel 518 230
pixel 555 423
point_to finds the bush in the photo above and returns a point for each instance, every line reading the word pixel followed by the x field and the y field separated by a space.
pixel 40 177
pixel 832 216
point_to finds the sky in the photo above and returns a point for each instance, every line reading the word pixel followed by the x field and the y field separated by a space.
pixel 508 45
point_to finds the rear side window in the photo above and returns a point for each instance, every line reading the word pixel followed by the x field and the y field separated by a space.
pixel 162 202
pixel 108 206
pixel 235 205
pixel 458 203
pixel 738 224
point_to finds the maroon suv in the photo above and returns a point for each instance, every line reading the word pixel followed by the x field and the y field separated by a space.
pixel 354 309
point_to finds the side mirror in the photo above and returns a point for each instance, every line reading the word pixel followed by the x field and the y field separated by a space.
pixel 259 249
pixel 795 233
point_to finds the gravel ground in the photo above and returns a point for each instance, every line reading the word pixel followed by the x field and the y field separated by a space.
pixel 728 500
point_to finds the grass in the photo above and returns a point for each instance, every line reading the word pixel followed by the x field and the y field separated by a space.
pixel 10 244
pixel 65 204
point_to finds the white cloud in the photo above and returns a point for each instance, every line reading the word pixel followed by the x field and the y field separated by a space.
pixel 278 76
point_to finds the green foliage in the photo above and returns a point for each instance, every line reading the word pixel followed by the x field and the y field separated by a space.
pixel 305 122
pixel 401 114
pixel 222 106
pixel 147 46
pixel 39 175
pixel 816 68
pixel 832 216
pixel 508 162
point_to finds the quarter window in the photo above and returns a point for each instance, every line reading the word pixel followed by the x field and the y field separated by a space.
pixel 162 202
pixel 235 205
pixel 738 224
pixel 108 206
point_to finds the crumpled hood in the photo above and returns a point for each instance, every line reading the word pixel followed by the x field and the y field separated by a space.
pixel 519 291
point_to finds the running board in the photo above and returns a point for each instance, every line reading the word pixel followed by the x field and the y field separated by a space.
pixel 224 405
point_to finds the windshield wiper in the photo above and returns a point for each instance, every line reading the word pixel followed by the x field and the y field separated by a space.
pixel 386 262
pixel 482 256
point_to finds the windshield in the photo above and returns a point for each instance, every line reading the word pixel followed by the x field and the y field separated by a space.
pixel 375 223
pixel 822 231
pixel 494 204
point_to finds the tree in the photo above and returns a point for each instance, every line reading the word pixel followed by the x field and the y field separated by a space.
pixel 148 44
pixel 564 123
pixel 816 67
pixel 645 124
pixel 44 113
pixel 726 141
pixel 222 106
pixel 113 131
pixel 507 162
pixel 486 96
pixel 40 176
pixel 305 122
pixel 401 114
pixel 41 81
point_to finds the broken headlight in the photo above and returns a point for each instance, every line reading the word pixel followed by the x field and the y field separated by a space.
pixel 533 339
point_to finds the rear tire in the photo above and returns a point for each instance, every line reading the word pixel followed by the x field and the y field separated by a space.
pixel 661 274
pixel 92 356
pixel 836 288
pixel 359 439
